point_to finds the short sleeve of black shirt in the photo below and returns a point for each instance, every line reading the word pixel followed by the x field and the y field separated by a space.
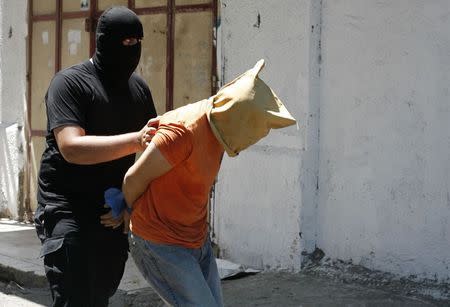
pixel 66 102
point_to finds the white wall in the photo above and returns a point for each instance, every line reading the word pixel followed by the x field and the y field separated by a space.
pixel 13 32
pixel 370 88
pixel 264 193
pixel 384 198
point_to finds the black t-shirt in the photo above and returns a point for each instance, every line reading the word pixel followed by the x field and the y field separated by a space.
pixel 77 96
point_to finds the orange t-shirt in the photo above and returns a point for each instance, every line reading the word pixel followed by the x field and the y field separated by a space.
pixel 173 209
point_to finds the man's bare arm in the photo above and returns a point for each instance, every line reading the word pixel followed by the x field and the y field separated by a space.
pixel 150 165
pixel 79 148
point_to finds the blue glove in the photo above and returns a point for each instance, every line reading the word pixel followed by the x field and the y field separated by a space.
pixel 115 200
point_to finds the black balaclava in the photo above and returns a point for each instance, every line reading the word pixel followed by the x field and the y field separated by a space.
pixel 114 61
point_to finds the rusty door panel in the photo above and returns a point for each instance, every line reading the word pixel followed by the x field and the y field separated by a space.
pixel 152 66
pixel 150 3
pixel 104 4
pixel 43 66
pixel 44 7
pixel 191 2
pixel 74 6
pixel 192 69
pixel 75 42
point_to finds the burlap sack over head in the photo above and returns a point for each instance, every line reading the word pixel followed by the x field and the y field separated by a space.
pixel 244 110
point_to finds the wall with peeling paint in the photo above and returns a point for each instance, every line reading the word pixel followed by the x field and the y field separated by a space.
pixel 13 32
pixel 369 179
pixel 264 204
pixel 384 185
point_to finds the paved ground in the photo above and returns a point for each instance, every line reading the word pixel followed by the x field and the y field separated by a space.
pixel 266 289
pixel 23 283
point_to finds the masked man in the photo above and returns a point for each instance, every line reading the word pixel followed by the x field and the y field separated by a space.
pixel 97 114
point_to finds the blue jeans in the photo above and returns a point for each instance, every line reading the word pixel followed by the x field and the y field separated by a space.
pixel 181 276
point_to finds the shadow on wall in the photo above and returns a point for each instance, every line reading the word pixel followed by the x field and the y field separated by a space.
pixel 11 150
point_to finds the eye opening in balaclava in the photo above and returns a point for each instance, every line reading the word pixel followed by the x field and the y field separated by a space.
pixel 114 60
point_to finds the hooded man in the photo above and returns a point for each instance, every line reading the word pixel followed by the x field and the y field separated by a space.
pixel 97 113
pixel 167 189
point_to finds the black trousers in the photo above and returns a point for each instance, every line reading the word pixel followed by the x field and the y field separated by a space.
pixel 87 269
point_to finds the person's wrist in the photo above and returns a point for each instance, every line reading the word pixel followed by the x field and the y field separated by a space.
pixel 138 141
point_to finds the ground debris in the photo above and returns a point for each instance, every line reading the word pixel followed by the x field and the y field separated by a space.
pixel 349 273
pixel 12 288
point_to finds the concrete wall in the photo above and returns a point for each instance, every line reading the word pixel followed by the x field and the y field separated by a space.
pixel 384 198
pixel 265 197
pixel 13 32
pixel 366 176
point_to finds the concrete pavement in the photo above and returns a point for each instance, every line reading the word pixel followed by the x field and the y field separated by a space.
pixel 19 251
pixel 24 284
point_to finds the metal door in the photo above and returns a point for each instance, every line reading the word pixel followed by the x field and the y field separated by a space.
pixel 178 55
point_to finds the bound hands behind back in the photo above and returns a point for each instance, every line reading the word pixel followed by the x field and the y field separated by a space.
pixel 114 197
pixel 119 212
